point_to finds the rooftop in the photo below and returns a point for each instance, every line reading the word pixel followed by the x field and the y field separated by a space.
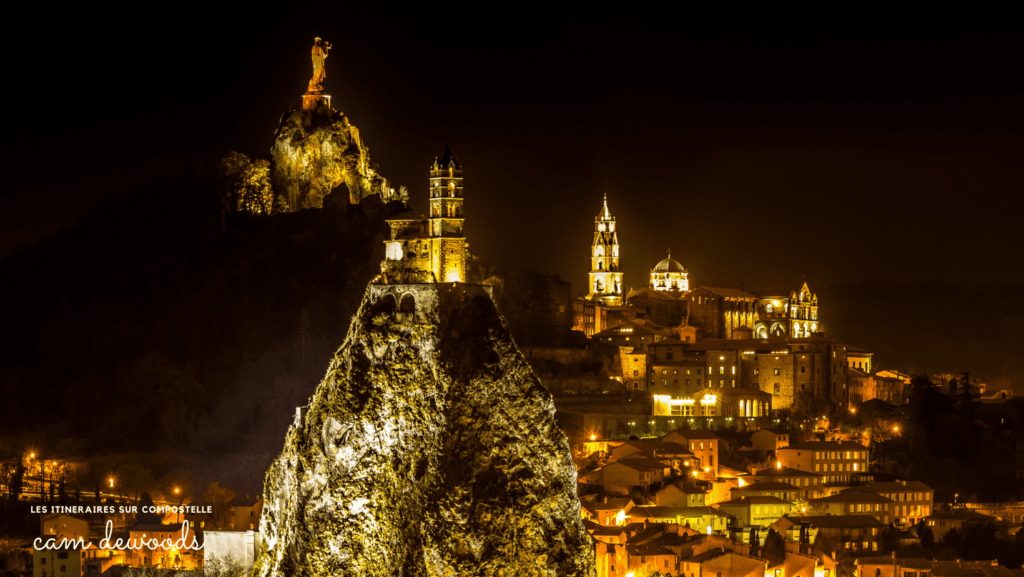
pixel 747 501
pixel 768 486
pixel 962 514
pixel 837 521
pixel 726 292
pixel 854 497
pixel 825 446
pixel 784 472
pixel 888 487
pixel 692 434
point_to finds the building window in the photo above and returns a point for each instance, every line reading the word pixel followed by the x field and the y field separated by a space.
pixel 777 372
pixel 803 369
pixel 777 388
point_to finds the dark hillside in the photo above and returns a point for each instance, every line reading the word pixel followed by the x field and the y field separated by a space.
pixel 211 333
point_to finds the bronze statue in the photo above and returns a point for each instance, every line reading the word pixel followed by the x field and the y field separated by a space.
pixel 319 56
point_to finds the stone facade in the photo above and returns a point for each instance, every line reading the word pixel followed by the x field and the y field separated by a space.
pixel 795 315
pixel 720 310
pixel 791 370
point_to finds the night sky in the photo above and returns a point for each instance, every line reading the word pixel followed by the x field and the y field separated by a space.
pixel 759 147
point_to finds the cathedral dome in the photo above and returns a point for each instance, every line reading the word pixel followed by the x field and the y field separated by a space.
pixel 669 265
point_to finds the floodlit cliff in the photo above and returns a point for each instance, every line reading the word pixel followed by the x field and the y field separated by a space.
pixel 430 448
pixel 314 153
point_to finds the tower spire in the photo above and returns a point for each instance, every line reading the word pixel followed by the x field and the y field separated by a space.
pixel 605 213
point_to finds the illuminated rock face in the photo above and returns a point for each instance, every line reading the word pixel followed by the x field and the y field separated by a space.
pixel 430 448
pixel 315 152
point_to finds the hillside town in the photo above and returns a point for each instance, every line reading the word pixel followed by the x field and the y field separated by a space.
pixel 474 420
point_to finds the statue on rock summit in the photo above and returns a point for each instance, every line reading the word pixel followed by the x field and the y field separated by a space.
pixel 319 59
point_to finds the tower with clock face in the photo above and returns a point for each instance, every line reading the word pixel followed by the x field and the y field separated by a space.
pixel 605 276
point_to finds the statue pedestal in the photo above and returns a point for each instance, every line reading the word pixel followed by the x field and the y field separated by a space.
pixel 316 102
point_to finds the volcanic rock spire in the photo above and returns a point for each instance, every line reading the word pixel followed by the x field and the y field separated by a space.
pixel 429 449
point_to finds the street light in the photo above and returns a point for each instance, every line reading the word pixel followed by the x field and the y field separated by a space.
pixel 177 515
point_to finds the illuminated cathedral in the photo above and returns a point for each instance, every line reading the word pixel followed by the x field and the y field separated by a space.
pixel 668 300
pixel 430 249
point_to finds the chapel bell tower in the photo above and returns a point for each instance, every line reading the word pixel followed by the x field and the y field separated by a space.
pixel 447 239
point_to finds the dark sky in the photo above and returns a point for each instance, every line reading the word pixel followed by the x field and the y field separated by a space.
pixel 840 147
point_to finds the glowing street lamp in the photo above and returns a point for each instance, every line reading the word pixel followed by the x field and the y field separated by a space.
pixel 177 515
pixel 593 437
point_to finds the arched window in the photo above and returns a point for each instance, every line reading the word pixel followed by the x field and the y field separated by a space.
pixel 600 265
pixel 408 304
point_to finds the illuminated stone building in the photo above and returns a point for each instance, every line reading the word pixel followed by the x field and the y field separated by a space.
pixel 721 310
pixel 838 461
pixel 794 316
pixel 605 277
pixel 669 275
pixel 430 249
pixel 791 370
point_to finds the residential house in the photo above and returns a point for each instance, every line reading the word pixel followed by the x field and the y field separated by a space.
pixel 942 522
pixel 705 520
pixel 890 566
pixel 810 484
pixel 858 533
pixel 755 511
pixel 162 557
pixel 837 461
pixel 722 562
pixel 912 500
pixel 703 444
pixel 67 558
pixel 611 559
pixel 675 453
pixel 635 333
pixel 609 511
pixel 650 557
pixel 783 491
pixel 626 475
pixel 770 439
pixel 677 494
pixel 245 512
pixel 854 503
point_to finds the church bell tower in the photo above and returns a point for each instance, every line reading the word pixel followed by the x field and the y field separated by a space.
pixel 447 239
pixel 605 278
